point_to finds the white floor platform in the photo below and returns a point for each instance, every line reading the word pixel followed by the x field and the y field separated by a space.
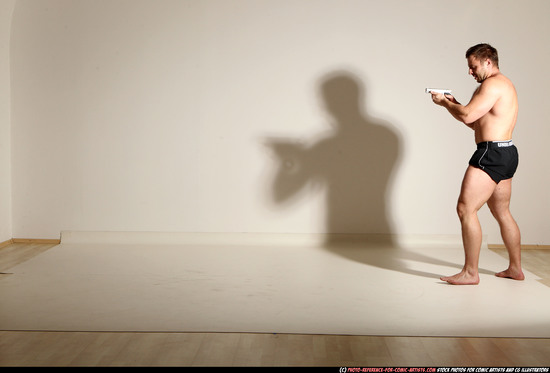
pixel 186 283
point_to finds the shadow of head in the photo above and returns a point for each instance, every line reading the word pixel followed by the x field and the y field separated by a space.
pixel 342 94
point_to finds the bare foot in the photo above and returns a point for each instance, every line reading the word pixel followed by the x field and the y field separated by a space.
pixel 462 278
pixel 512 273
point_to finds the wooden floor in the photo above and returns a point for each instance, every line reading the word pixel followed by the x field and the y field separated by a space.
pixel 60 349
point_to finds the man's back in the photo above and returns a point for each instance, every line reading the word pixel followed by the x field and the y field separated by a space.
pixel 499 122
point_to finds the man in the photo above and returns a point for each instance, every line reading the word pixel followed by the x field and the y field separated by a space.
pixel 491 113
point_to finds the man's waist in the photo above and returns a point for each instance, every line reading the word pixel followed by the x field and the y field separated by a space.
pixel 496 144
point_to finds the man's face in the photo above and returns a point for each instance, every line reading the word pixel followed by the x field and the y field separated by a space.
pixel 478 69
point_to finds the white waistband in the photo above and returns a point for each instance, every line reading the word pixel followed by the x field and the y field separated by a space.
pixel 503 144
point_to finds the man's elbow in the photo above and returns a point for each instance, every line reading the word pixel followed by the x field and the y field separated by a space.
pixel 468 118
pixel 470 115
pixel 462 118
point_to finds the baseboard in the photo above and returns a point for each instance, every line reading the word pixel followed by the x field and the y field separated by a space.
pixel 35 240
pixel 58 241
pixel 523 247
pixel 6 243
pixel 29 240
pixel 240 239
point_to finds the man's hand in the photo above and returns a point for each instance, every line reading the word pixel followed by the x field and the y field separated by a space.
pixel 440 98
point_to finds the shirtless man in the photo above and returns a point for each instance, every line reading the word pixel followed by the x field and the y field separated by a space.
pixel 491 113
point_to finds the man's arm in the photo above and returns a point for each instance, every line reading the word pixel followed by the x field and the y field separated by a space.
pixel 452 105
pixel 482 101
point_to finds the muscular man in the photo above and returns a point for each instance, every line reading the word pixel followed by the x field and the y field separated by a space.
pixel 491 113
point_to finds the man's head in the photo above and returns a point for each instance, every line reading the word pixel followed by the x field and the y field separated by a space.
pixel 483 52
pixel 482 61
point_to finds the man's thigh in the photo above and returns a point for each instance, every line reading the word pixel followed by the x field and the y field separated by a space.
pixel 500 199
pixel 477 188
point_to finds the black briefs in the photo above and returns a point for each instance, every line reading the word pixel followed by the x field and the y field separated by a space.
pixel 499 159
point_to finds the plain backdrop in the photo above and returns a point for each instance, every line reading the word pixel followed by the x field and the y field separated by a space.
pixel 257 116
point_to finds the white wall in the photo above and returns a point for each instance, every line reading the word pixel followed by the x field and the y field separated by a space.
pixel 6 10
pixel 263 116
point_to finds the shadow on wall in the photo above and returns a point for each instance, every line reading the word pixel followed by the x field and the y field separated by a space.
pixel 354 164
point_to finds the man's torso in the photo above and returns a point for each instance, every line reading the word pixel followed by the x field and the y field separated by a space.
pixel 498 124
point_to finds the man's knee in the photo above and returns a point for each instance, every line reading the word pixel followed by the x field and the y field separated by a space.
pixel 463 210
pixel 499 211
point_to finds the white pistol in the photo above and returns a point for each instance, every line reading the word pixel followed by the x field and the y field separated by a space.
pixel 436 90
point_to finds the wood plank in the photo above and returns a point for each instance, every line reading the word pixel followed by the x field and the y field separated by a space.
pixel 17 253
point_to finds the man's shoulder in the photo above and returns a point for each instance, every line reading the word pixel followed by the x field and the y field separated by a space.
pixel 499 79
pixel 497 83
